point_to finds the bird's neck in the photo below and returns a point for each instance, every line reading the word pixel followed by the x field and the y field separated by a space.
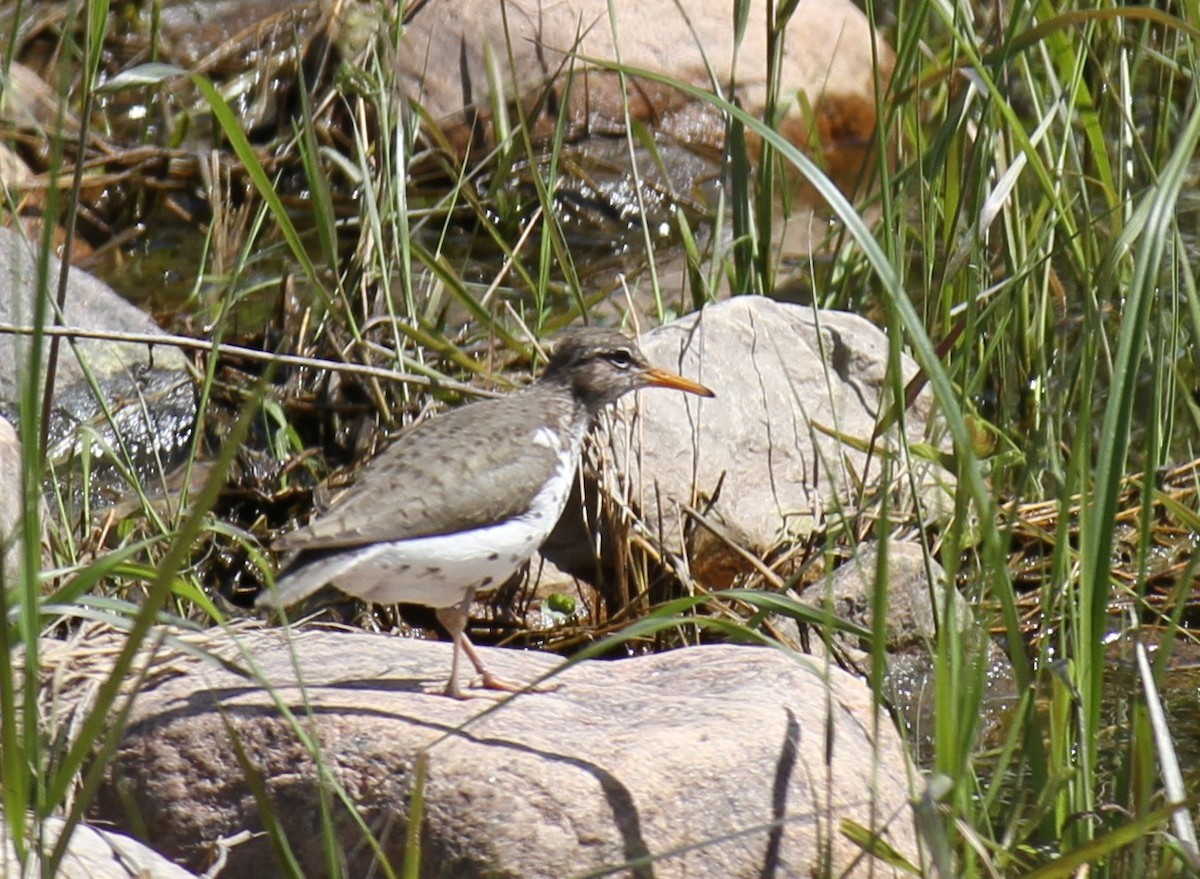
pixel 562 407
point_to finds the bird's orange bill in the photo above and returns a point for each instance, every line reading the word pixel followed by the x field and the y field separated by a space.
pixel 660 378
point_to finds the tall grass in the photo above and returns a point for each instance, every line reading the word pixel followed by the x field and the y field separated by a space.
pixel 1042 159
pixel 1029 213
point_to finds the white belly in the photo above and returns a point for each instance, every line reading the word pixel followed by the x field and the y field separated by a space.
pixel 441 571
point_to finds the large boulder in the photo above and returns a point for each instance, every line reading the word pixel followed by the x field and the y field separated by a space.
pixel 706 761
pixel 779 448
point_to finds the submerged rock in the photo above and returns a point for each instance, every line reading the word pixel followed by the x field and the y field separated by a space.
pixel 632 101
pixel 556 58
pixel 918 599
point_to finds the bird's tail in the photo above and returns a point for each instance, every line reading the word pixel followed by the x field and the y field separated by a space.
pixel 305 576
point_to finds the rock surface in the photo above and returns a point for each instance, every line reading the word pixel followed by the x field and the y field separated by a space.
pixel 711 761
pixel 762 458
pixel 144 387
pixel 12 507
pixel 96 854
pixel 917 595
pixel 544 52
pixel 90 304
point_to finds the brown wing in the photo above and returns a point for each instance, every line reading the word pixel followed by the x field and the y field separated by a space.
pixel 426 483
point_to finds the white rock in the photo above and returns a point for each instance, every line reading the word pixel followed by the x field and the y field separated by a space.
pixel 95 854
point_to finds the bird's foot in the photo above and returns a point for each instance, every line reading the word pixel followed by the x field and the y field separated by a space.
pixel 489 681
pixel 456 692
pixel 485 687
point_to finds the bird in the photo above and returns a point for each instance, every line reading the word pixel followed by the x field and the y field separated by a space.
pixel 461 501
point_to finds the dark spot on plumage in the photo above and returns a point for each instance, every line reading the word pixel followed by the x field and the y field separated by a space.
pixel 432 570
pixel 493 556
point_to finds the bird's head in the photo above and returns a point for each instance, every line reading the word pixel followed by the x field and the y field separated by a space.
pixel 601 365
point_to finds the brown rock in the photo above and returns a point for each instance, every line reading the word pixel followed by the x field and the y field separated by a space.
pixel 713 761
pixel 543 52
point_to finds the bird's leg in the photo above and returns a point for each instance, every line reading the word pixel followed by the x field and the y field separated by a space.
pixel 490 681
pixel 487 680
pixel 454 619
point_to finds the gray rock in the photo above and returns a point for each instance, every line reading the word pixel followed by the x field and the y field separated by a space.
pixel 916 594
pixel 917 599
pixel 713 761
pixel 12 507
pixel 762 459
pixel 95 854
pixel 786 379
pixel 90 304
pixel 145 387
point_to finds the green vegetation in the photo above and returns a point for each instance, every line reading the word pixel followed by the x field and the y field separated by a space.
pixel 1030 242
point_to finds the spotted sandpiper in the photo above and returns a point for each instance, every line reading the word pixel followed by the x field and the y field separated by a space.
pixel 460 502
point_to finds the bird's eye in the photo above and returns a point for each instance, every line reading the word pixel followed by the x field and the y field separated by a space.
pixel 620 359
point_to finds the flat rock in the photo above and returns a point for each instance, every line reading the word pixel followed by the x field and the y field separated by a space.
pixel 705 761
